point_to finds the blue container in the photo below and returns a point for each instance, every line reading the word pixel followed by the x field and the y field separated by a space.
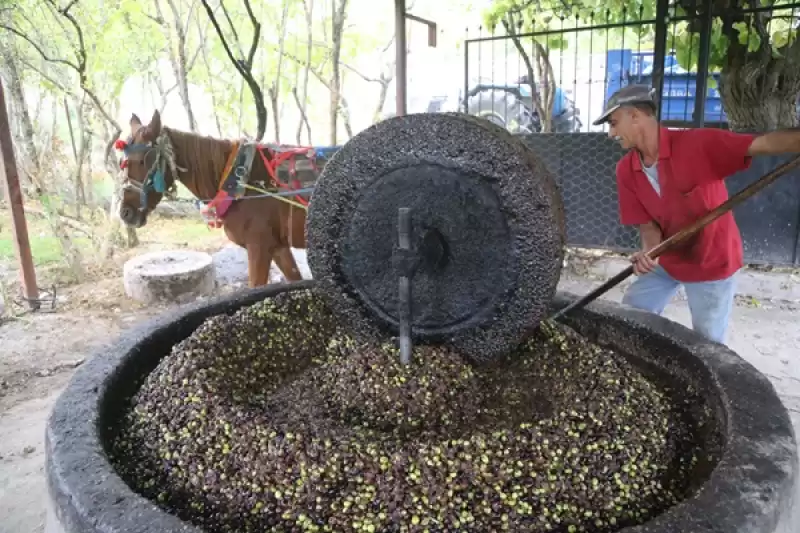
pixel 625 67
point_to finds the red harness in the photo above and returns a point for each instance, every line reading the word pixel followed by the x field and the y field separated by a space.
pixel 217 208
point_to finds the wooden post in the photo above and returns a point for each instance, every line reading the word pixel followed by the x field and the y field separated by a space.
pixel 21 243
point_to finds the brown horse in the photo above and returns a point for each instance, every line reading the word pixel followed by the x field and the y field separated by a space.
pixel 266 226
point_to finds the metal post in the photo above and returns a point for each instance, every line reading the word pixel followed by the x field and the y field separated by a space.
pixel 701 82
pixel 404 294
pixel 465 96
pixel 432 38
pixel 401 46
pixel 22 245
pixel 660 51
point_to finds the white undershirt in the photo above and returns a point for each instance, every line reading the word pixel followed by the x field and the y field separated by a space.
pixel 652 174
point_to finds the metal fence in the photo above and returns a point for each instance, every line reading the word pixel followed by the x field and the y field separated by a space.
pixel 576 59
pixel 679 47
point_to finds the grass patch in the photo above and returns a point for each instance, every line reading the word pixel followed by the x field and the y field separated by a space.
pixel 46 249
pixel 179 231
pixel 44 245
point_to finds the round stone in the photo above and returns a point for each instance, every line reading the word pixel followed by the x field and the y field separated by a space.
pixel 169 276
pixel 487 232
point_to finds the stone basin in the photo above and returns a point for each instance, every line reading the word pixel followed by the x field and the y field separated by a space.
pixel 750 490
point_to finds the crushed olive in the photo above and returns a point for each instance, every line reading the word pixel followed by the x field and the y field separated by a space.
pixel 275 419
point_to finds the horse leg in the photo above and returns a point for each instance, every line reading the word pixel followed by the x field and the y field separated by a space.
pixel 285 260
pixel 297 227
pixel 259 261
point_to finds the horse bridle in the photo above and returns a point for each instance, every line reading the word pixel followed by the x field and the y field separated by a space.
pixel 154 181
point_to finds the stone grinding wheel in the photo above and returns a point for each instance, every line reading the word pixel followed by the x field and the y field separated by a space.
pixel 487 225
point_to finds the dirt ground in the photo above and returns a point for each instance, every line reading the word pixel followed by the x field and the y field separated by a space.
pixel 39 353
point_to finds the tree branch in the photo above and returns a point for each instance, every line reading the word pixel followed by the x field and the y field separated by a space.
pixel 350 67
pixel 189 17
pixel 81 52
pixel 70 5
pixel 359 74
pixel 213 20
pixel 158 20
pixel 388 45
pixel 233 28
pixel 311 69
pixel 243 66
pixel 256 33
pixel 80 66
pixel 47 77
pixel 193 60
pixel 39 48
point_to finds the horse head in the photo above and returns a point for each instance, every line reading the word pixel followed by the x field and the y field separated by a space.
pixel 149 170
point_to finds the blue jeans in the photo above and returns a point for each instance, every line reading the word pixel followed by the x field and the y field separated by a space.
pixel 710 302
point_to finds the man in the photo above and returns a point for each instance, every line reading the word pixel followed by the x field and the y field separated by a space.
pixel 669 179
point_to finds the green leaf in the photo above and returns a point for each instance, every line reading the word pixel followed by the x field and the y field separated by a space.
pixel 780 39
pixel 744 31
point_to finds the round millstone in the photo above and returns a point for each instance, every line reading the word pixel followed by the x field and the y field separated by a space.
pixel 169 276
pixel 487 228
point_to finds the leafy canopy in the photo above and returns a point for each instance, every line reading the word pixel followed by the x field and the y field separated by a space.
pixel 777 32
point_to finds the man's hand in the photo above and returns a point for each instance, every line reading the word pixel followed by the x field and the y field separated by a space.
pixel 642 264
pixel 651 237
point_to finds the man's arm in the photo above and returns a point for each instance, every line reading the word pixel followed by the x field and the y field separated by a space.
pixel 731 152
pixel 633 213
pixel 775 143
pixel 651 237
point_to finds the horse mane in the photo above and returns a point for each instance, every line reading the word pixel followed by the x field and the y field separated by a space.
pixel 204 159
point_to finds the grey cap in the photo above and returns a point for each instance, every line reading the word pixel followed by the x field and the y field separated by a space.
pixel 628 95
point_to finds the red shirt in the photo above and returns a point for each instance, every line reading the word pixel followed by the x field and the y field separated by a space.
pixel 692 167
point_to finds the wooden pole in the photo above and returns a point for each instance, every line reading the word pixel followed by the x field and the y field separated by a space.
pixel 20 229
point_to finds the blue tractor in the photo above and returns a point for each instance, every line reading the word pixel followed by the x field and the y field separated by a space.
pixel 512 107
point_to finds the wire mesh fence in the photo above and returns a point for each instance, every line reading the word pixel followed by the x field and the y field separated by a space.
pixel 583 166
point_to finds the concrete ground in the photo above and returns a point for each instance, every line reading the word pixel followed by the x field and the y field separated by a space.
pixel 39 354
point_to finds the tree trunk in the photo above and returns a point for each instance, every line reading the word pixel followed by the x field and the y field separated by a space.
pixel 83 154
pixel 47 193
pixel 275 90
pixel 301 106
pixel 344 112
pixel 759 87
pixel 540 75
pixel 760 97
pixel 17 98
pixel 337 32
pixel 89 183
pixel 243 64
pixel 210 81
pixel 385 80
pixel 302 102
pixel 178 57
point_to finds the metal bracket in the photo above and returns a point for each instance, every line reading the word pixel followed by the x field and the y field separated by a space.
pixel 404 295
pixel 431 253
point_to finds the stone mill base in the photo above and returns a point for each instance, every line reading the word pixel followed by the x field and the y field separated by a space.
pixel 751 490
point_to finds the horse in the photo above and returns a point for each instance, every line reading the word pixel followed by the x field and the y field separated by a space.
pixel 265 225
